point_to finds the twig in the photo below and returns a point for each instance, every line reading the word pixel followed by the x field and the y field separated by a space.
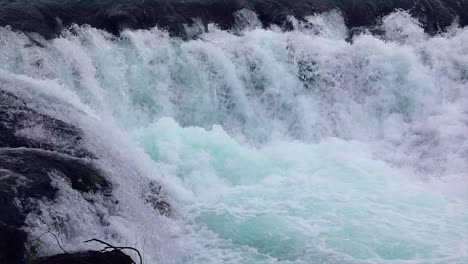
pixel 109 246
pixel 34 41
pixel 56 239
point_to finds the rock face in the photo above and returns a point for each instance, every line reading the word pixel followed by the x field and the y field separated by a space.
pixel 11 244
pixel 48 18
pixel 27 163
pixel 156 198
pixel 89 257
pixel 22 126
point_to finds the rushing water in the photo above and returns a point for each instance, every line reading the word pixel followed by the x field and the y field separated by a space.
pixel 271 146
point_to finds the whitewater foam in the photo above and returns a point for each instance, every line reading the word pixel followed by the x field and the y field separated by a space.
pixel 272 146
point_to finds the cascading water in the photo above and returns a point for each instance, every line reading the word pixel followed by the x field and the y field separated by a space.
pixel 271 146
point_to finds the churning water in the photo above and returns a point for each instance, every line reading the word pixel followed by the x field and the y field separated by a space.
pixel 271 146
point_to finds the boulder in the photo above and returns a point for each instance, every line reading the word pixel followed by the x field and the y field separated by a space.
pixel 87 257
pixel 22 126
pixel 27 165
pixel 11 244
pixel 37 149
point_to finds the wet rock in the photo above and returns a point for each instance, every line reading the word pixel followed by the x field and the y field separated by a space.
pixel 88 257
pixel 35 167
pixel 25 179
pixel 27 164
pixel 49 19
pixel 21 126
pixel 11 244
pixel 157 199
pixel 35 151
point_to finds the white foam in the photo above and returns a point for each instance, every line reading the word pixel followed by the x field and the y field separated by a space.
pixel 273 147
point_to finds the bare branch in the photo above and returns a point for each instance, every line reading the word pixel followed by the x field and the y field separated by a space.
pixel 109 246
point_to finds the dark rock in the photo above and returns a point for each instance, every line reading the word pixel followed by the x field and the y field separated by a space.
pixel 35 166
pixel 157 199
pixel 88 257
pixel 25 180
pixel 11 244
pixel 21 126
pixel 30 161
pixel 27 165
pixel 48 19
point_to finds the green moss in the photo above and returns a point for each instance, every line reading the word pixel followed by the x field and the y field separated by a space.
pixel 32 251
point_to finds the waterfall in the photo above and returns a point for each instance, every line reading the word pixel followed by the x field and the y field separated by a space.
pixel 316 144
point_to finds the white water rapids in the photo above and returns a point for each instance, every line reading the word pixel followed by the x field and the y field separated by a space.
pixel 270 146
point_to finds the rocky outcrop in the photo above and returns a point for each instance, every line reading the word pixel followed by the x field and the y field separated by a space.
pixel 50 17
pixel 12 242
pixel 88 257
pixel 157 199
pixel 22 126
pixel 28 162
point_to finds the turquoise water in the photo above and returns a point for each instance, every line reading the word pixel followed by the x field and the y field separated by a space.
pixel 290 201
